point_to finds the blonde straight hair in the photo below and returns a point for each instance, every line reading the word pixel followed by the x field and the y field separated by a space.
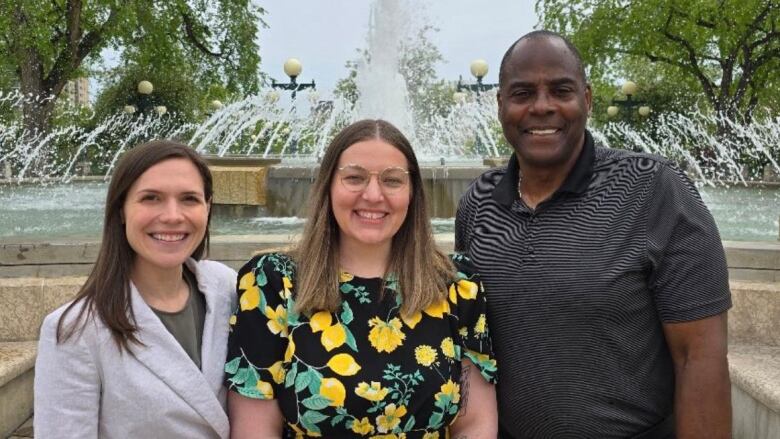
pixel 422 271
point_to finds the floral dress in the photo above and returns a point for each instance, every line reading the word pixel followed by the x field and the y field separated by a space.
pixel 364 371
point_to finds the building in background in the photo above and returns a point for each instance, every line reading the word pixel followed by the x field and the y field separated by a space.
pixel 77 91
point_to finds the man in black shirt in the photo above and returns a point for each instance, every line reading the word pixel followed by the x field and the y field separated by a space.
pixel 606 277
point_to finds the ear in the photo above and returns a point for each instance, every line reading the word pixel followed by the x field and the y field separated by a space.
pixel 498 100
pixel 588 98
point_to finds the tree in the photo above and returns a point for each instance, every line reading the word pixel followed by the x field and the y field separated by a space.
pixel 46 43
pixel 728 49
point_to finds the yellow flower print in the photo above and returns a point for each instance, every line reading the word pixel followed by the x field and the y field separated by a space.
pixel 277 372
pixel 412 320
pixel 385 336
pixel 290 351
pixel 389 436
pixel 249 299
pixel 425 355
pixel 345 277
pixel 362 427
pixel 265 389
pixel 373 392
pixel 466 289
pixel 483 358
pixel 320 320
pixel 463 331
pixel 232 320
pixel 449 389
pixel 344 365
pixel 287 287
pixel 277 320
pixel 431 435
pixel 481 324
pixel 332 389
pixel 438 309
pixel 333 337
pixel 391 418
pixel 448 347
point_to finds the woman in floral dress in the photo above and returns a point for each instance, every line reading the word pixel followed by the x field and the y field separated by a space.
pixel 365 329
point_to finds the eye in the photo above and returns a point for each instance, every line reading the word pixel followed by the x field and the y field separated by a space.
pixel 194 199
pixel 354 179
pixel 563 91
pixel 149 197
pixel 394 181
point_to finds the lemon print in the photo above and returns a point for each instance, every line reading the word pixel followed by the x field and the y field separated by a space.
pixel 288 354
pixel 249 299
pixel 247 281
pixel 277 372
pixel 344 365
pixel 333 337
pixel 413 320
pixel 431 435
pixel 362 427
pixel 265 389
pixel 320 321
pixel 332 389
pixel 466 289
pixel 438 309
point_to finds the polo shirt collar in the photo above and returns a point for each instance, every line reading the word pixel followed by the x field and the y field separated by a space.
pixel 576 182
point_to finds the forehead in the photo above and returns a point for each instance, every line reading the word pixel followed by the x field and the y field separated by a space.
pixel 542 58
pixel 373 154
pixel 172 174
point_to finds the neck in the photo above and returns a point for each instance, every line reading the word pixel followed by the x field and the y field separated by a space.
pixel 538 183
pixel 161 288
pixel 364 260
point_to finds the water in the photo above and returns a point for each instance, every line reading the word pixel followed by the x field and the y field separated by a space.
pixel 75 211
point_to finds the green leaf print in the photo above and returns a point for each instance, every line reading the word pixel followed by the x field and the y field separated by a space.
pixel 311 418
pixel 409 424
pixel 260 279
pixel 338 419
pixel 316 381
pixel 302 381
pixel 316 402
pixel 241 376
pixel 232 366
pixel 351 342
pixel 292 374
pixel 346 313
pixel 346 287
pixel 434 422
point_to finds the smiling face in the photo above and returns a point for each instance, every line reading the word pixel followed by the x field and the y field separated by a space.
pixel 165 214
pixel 543 102
pixel 371 217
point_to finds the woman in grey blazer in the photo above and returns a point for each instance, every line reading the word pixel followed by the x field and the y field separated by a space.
pixel 140 352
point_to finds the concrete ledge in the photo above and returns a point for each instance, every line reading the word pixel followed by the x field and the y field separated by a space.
pixel 17 360
pixel 755 385
pixel 26 301
pixel 755 316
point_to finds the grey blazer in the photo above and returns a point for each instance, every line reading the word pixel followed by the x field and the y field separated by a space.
pixel 87 388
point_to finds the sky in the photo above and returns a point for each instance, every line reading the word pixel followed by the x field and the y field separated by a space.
pixel 323 35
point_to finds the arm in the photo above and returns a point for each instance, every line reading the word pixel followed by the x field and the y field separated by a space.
pixel 67 385
pixel 478 414
pixel 253 418
pixel 702 401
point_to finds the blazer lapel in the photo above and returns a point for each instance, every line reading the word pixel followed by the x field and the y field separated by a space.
pixel 166 359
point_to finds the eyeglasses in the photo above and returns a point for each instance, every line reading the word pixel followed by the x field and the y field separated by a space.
pixel 355 178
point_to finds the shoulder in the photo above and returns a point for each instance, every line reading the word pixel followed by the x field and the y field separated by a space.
pixel 463 264
pixel 269 263
pixel 630 161
pixel 77 317
pixel 483 185
pixel 213 276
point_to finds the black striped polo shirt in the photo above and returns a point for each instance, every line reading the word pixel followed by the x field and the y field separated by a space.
pixel 578 289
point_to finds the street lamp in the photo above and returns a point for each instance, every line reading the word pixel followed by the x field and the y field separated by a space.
pixel 129 109
pixel 160 109
pixel 479 68
pixel 216 105
pixel 293 68
pixel 629 89
pixel 144 89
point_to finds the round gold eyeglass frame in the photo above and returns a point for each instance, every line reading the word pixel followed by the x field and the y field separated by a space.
pixel 379 176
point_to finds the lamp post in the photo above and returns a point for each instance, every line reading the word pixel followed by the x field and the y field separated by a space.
pixel 145 89
pixel 629 89
pixel 479 68
pixel 293 68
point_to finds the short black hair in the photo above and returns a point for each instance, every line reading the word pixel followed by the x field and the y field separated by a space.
pixel 538 34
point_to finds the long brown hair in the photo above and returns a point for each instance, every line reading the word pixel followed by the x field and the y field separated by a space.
pixel 106 292
pixel 423 272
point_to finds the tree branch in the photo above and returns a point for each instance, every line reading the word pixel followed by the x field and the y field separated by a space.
pixel 693 63
pixel 189 29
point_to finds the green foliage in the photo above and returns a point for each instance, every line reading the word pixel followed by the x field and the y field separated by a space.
pixel 722 54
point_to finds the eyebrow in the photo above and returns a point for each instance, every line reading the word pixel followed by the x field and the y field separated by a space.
pixel 155 191
pixel 552 82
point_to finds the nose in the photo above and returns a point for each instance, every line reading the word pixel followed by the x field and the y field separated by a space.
pixel 542 103
pixel 171 212
pixel 373 190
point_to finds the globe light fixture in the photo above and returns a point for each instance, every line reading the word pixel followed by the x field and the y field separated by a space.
pixel 612 111
pixel 145 88
pixel 479 68
pixel 129 109
pixel 216 105
pixel 160 110
pixel 292 68
pixel 629 88
pixel 644 111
